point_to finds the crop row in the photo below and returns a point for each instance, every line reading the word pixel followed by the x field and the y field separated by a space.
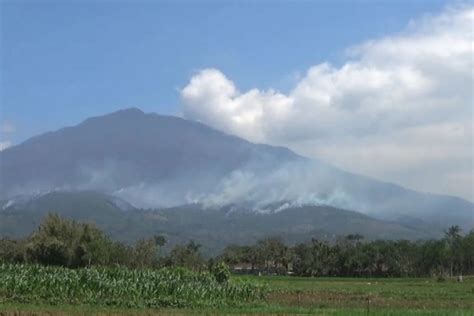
pixel 167 287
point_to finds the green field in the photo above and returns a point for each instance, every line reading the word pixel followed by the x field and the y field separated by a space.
pixel 379 296
pixel 35 290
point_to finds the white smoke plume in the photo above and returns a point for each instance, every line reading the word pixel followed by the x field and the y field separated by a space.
pixel 399 109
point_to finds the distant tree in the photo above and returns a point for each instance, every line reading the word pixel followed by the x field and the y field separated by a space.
pixel 453 239
pixel 186 256
pixel 235 254
pixel 64 242
pixel 275 254
pixel 92 248
pixel 160 240
pixel 468 252
pixel 255 257
pixel 354 238
pixel 121 255
pixel 68 243
pixel 302 260
pixel 145 253
pixel 402 258
pixel 316 258
pixel 12 250
pixel 54 242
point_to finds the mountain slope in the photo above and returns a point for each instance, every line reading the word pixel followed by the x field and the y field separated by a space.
pixel 214 229
pixel 126 148
pixel 158 161
pixel 21 216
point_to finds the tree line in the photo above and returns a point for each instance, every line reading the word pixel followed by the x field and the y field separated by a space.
pixel 68 243
pixel 353 256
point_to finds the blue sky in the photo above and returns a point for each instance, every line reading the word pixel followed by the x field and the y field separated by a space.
pixel 63 61
pixel 380 88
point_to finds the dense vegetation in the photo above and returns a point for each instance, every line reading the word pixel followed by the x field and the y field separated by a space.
pixel 71 244
pixel 66 263
pixel 298 295
pixel 352 256
pixel 214 229
pixel 175 287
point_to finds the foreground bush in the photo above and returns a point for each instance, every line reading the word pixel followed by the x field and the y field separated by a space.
pixel 122 287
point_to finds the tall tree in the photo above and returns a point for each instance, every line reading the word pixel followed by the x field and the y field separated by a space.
pixel 453 239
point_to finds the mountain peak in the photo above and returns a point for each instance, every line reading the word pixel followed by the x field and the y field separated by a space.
pixel 133 111
pixel 127 114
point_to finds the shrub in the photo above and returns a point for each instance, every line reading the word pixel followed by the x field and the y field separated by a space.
pixel 221 272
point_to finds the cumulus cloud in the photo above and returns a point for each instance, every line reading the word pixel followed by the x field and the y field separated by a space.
pixel 399 108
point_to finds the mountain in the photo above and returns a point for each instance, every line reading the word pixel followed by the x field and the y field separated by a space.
pixel 161 162
pixel 130 149
pixel 214 229
pixel 20 216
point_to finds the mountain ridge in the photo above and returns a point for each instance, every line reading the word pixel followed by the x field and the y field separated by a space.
pixel 213 228
pixel 151 160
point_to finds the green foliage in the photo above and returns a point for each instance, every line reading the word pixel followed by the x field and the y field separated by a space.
pixel 67 243
pixel 351 256
pixel 166 287
pixel 12 250
pixel 221 272
pixel 186 256
pixel 145 253
pixel 303 296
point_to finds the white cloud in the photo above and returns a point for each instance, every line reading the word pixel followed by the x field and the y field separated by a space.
pixel 399 109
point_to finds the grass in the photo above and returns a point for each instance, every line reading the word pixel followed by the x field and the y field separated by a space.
pixel 43 310
pixel 304 296
pixel 400 293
